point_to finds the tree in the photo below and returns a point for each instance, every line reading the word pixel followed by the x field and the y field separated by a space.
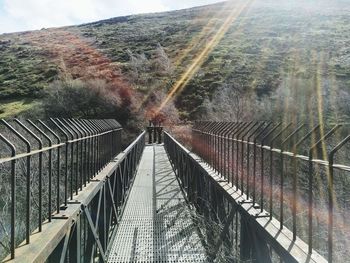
pixel 139 68
pixel 162 63
pixel 229 104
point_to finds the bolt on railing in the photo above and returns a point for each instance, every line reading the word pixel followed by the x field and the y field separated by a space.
pixel 270 162
pixel 50 161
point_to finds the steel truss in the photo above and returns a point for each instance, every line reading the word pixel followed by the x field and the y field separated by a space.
pixel 62 162
pixel 245 230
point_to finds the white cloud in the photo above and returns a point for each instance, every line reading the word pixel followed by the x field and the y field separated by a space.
pixel 19 15
pixel 35 14
pixel 122 7
pixel 178 4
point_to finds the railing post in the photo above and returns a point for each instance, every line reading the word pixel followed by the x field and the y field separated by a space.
pixel 331 195
pixel 150 132
pixel 257 126
pixel 227 164
pixel 154 134
pixel 159 131
pixel 256 134
pixel 239 133
pixel 13 195
pixel 270 132
pixel 310 186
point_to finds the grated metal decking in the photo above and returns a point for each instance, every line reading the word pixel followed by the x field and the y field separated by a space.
pixel 156 225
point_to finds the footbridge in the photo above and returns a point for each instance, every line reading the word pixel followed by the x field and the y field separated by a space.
pixel 238 192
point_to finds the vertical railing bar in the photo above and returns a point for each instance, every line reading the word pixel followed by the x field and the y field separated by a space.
pixel 239 133
pixel 256 134
pixel 242 149
pixel 98 140
pixel 310 186
pixel 331 195
pixel 222 150
pixel 65 160
pixel 277 136
pixel 235 161
pixel 73 130
pixel 217 146
pixel 61 124
pixel 13 184
pixel 233 139
pixel 95 142
pixel 84 150
pixel 211 144
pixel 82 134
pixel 13 195
pixel 58 202
pixel 208 142
pixel 283 143
pixel 89 147
pixel 227 165
pixel 50 167
pixel 271 170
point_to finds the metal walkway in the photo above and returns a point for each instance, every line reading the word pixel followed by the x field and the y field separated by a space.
pixel 156 225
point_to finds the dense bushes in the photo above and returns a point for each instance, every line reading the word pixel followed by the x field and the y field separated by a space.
pixel 77 99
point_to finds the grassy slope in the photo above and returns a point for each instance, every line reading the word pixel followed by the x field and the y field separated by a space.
pixel 259 50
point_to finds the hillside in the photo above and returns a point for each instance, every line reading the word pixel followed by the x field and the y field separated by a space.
pixel 263 46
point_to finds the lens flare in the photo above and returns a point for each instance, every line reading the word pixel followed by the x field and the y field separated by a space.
pixel 78 59
pixel 197 42
pixel 203 54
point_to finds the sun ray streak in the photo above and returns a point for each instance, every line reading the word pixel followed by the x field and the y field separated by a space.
pixel 200 58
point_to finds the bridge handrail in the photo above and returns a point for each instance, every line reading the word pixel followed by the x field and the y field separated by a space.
pixel 285 143
pixel 96 210
pixel 193 174
pixel 50 154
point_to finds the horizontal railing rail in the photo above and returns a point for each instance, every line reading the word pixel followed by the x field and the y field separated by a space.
pixel 284 168
pixel 85 230
pixel 249 232
pixel 43 165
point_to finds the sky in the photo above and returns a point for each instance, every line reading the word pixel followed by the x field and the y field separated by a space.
pixel 22 15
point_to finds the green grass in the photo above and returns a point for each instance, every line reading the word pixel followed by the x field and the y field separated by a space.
pixel 260 48
pixel 12 108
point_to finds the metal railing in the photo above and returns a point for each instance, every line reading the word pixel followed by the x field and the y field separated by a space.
pixel 95 213
pixel 43 166
pixel 155 134
pixel 223 218
pixel 283 168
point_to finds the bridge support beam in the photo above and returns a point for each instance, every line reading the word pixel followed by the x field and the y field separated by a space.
pixel 74 251
pixel 251 245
